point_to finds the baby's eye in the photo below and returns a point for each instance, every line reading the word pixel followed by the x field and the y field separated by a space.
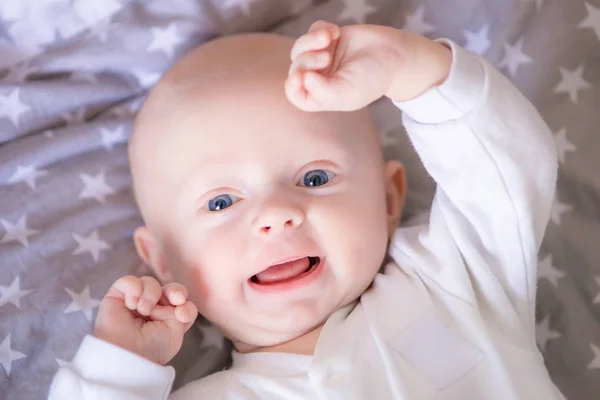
pixel 221 202
pixel 316 177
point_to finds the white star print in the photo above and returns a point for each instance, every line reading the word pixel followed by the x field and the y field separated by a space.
pixel 244 5
pixel 112 137
pixel 91 244
pixel 12 108
pixel 546 270
pixel 478 42
pixel 558 208
pixel 415 22
pixel 356 10
pixel 13 293
pixel 592 20
pixel 7 355
pixel 165 40
pixel 211 337
pixel 145 79
pixel 84 76
pixel 543 333
pixel 514 57
pixel 27 174
pixel 572 82
pixel 74 117
pixel 18 231
pixel 562 144
pixel 596 361
pixel 597 299
pixel 19 72
pixel 82 302
pixel 95 187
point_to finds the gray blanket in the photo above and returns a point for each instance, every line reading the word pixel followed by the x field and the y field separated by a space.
pixel 74 72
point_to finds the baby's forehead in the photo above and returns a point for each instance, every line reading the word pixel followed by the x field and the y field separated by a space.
pixel 226 101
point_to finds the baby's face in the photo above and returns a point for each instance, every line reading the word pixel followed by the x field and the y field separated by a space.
pixel 272 217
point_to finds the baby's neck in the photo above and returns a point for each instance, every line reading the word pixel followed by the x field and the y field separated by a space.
pixel 304 344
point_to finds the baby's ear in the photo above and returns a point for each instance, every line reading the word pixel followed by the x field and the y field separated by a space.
pixel 395 193
pixel 148 249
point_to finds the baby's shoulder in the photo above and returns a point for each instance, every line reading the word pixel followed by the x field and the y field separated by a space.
pixel 216 386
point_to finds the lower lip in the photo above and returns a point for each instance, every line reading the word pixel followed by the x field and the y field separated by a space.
pixel 306 278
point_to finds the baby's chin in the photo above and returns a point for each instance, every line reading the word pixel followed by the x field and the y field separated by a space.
pixel 301 341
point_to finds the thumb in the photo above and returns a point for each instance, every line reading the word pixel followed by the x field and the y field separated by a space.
pixel 166 315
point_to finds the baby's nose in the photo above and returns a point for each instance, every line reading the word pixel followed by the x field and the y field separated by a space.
pixel 277 218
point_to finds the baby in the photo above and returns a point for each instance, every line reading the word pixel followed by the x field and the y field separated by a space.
pixel 267 203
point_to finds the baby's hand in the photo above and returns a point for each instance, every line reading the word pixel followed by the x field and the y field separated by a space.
pixel 345 69
pixel 139 315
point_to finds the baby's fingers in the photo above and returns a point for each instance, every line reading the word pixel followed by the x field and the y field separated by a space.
pixel 297 94
pixel 312 60
pixel 179 319
pixel 174 294
pixel 186 314
pixel 319 37
pixel 127 289
pixel 150 295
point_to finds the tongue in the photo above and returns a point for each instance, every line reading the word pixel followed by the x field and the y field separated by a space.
pixel 283 272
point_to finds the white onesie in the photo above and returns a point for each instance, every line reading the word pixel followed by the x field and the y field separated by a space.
pixel 452 317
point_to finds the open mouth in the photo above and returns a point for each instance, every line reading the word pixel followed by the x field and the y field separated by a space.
pixel 286 272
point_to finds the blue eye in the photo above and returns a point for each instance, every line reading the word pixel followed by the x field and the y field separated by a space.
pixel 316 178
pixel 222 202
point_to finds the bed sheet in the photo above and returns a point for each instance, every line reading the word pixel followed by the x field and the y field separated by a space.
pixel 74 72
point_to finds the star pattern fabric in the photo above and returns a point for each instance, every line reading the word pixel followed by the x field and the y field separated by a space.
pixel 144 78
pixel 356 11
pixel 165 40
pixel 27 174
pixel 592 21
pixel 416 23
pixel 514 57
pixel 562 144
pixel 110 137
pixel 558 209
pixel 544 333
pixel 478 42
pixel 595 364
pixel 17 232
pixel 245 6
pixel 12 108
pixel 95 187
pixel 572 82
pixel 13 293
pixel 91 244
pixel 73 73
pixel 8 355
pixel 546 270
pixel 82 302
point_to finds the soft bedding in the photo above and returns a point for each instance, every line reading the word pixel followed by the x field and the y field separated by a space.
pixel 74 72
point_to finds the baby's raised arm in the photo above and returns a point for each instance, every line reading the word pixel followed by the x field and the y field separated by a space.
pixel 483 142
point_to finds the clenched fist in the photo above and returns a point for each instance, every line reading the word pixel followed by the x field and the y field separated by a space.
pixel 139 315
pixel 347 68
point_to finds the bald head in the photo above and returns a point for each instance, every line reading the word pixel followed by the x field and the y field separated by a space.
pixel 237 79
pixel 215 66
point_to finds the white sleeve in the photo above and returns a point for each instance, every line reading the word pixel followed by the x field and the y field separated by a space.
pixel 494 162
pixel 101 370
